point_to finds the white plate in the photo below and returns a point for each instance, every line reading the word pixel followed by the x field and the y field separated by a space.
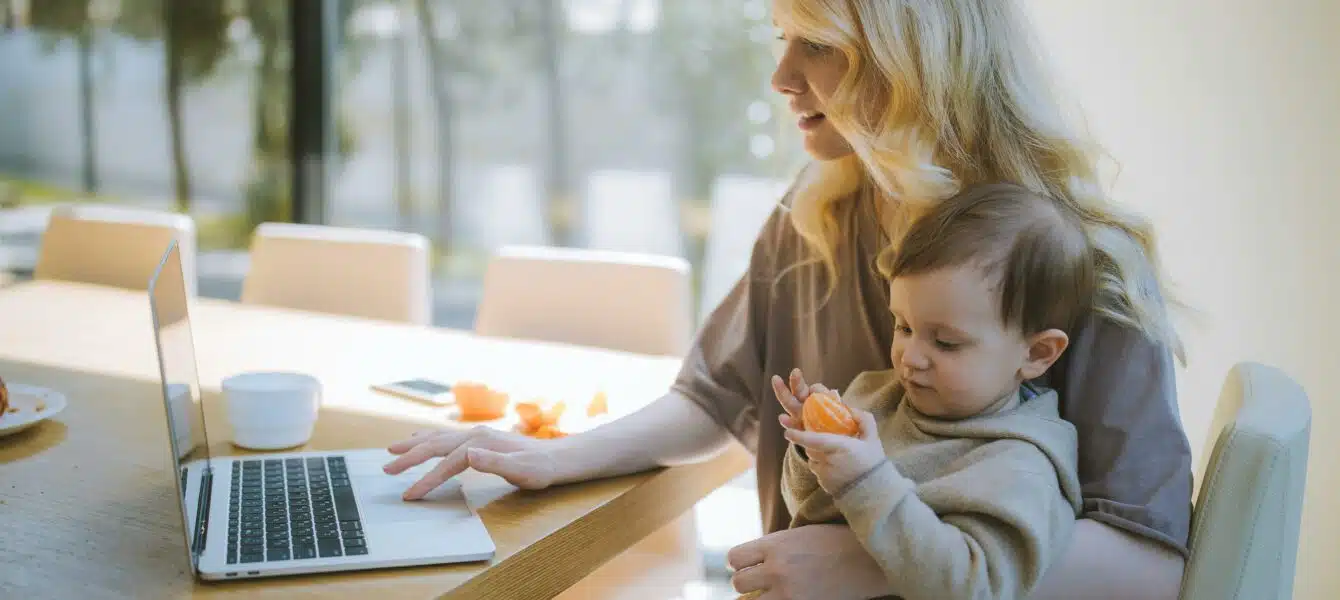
pixel 28 399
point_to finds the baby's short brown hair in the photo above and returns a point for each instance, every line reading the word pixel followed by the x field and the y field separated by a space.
pixel 1034 249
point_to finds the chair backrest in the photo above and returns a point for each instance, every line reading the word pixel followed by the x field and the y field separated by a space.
pixel 113 245
pixel 615 300
pixel 374 274
pixel 1244 534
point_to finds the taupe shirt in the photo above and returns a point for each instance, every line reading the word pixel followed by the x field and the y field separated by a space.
pixel 1116 386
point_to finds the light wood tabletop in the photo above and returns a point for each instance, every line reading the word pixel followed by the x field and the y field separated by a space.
pixel 87 502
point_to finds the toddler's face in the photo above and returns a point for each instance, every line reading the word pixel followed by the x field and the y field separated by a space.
pixel 951 348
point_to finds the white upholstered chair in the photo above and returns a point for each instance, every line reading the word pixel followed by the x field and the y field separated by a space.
pixel 615 300
pixel 113 245
pixel 366 273
pixel 1244 533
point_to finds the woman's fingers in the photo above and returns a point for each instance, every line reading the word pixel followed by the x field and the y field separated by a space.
pixel 448 467
pixel 415 451
pixel 747 554
pixel 751 579
pixel 526 470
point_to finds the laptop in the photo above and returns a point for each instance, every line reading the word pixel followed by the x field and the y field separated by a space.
pixel 263 515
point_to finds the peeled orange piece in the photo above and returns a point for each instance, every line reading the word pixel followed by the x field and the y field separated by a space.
pixel 534 416
pixel 548 432
pixel 598 406
pixel 826 413
pixel 477 402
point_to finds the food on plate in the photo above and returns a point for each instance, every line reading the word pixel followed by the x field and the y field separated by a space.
pixel 536 415
pixel 825 412
pixel 547 432
pixel 4 399
pixel 477 402
pixel 598 406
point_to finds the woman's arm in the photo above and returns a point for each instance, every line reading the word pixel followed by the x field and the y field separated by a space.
pixel 668 432
pixel 1105 562
pixel 828 562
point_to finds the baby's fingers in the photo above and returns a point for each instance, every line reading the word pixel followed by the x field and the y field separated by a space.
pixel 799 388
pixel 789 403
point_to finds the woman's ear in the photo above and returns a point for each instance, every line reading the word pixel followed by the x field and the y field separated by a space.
pixel 1044 348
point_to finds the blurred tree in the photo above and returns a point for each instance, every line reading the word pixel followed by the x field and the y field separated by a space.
pixel 71 19
pixel 471 49
pixel 710 68
pixel 558 178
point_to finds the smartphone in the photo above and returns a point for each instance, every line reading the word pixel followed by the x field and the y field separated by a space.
pixel 423 390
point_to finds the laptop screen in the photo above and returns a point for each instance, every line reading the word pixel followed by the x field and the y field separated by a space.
pixel 181 392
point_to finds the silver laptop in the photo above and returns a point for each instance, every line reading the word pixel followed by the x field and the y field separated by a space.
pixel 261 515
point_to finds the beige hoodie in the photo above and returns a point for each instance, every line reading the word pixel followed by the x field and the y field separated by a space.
pixel 971 508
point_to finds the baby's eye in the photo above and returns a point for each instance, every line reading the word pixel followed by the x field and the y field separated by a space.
pixel 947 346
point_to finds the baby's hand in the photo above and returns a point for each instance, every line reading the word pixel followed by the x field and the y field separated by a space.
pixel 837 460
pixel 792 394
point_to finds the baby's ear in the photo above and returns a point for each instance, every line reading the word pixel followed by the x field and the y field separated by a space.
pixel 1044 348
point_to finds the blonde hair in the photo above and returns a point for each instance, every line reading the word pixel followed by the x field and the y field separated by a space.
pixel 967 102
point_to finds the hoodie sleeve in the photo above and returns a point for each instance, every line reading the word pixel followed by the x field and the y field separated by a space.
pixel 989 530
pixel 805 499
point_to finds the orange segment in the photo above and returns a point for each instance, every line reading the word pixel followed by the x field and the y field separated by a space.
pixel 826 413
pixel 477 402
pixel 598 406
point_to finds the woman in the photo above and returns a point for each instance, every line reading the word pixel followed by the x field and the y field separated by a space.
pixel 902 103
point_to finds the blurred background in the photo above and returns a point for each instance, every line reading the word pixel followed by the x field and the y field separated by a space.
pixel 649 125
pixel 616 124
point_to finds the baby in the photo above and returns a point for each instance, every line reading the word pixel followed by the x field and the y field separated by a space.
pixel 962 480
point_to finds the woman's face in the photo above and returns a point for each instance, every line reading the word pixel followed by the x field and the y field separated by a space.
pixel 807 74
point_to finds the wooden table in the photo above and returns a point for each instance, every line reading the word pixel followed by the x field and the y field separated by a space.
pixel 87 505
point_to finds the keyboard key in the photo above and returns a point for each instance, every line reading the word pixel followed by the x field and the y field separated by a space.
pixel 355 551
pixel 329 549
pixel 345 505
pixel 277 554
pixel 351 526
pixel 304 550
pixel 353 542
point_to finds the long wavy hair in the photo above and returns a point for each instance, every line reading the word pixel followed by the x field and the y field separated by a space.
pixel 965 100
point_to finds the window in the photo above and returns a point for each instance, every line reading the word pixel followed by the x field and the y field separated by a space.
pixel 641 125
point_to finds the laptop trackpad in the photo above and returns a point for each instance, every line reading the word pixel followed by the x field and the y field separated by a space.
pixel 379 499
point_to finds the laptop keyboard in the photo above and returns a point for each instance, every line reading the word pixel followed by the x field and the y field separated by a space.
pixel 292 509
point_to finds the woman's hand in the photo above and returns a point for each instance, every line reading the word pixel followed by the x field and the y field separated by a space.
pixel 522 461
pixel 813 562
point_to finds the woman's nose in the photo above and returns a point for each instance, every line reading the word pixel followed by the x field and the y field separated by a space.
pixel 786 78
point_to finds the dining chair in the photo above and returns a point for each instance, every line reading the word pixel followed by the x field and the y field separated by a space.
pixel 1248 510
pixel 623 301
pixel 367 273
pixel 113 245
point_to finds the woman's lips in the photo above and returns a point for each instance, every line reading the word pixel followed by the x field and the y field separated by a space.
pixel 807 123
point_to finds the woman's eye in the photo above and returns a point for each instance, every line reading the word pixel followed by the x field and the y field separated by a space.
pixel 815 47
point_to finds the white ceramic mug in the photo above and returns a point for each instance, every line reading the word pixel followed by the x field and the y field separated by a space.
pixel 272 410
